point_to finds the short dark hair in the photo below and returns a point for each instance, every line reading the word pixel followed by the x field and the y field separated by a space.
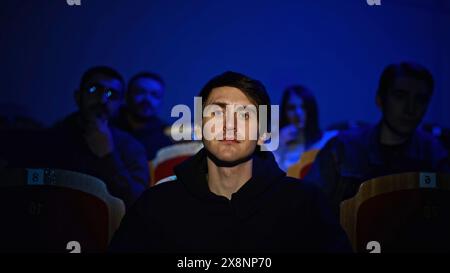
pixel 148 75
pixel 252 88
pixel 404 69
pixel 101 70
pixel 312 128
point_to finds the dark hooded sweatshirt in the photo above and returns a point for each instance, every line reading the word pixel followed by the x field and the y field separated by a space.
pixel 269 213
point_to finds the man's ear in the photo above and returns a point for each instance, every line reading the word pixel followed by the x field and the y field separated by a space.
pixel 77 97
pixel 379 102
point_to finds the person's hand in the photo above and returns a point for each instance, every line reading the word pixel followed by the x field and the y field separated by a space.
pixel 98 137
pixel 289 134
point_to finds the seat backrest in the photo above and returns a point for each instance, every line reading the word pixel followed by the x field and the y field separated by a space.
pixel 301 168
pixel 57 206
pixel 401 213
pixel 169 157
pixel 47 218
pixel 304 164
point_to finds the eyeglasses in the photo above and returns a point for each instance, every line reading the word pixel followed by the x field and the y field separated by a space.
pixel 100 90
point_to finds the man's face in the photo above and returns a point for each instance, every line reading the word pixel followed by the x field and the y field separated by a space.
pixel 100 97
pixel 234 140
pixel 145 97
pixel 406 103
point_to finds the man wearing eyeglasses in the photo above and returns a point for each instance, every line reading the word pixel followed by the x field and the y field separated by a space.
pixel 95 147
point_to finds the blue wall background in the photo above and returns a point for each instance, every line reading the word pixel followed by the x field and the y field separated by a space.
pixel 337 48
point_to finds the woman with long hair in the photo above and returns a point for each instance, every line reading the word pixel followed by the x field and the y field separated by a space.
pixel 299 126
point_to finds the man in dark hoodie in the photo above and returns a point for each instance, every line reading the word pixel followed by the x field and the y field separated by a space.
pixel 231 196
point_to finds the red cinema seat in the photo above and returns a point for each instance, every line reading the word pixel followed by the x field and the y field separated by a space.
pixel 407 212
pixel 169 157
pixel 56 211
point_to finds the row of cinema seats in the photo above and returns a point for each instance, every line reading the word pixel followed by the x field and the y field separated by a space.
pixel 53 210
pixel 47 210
